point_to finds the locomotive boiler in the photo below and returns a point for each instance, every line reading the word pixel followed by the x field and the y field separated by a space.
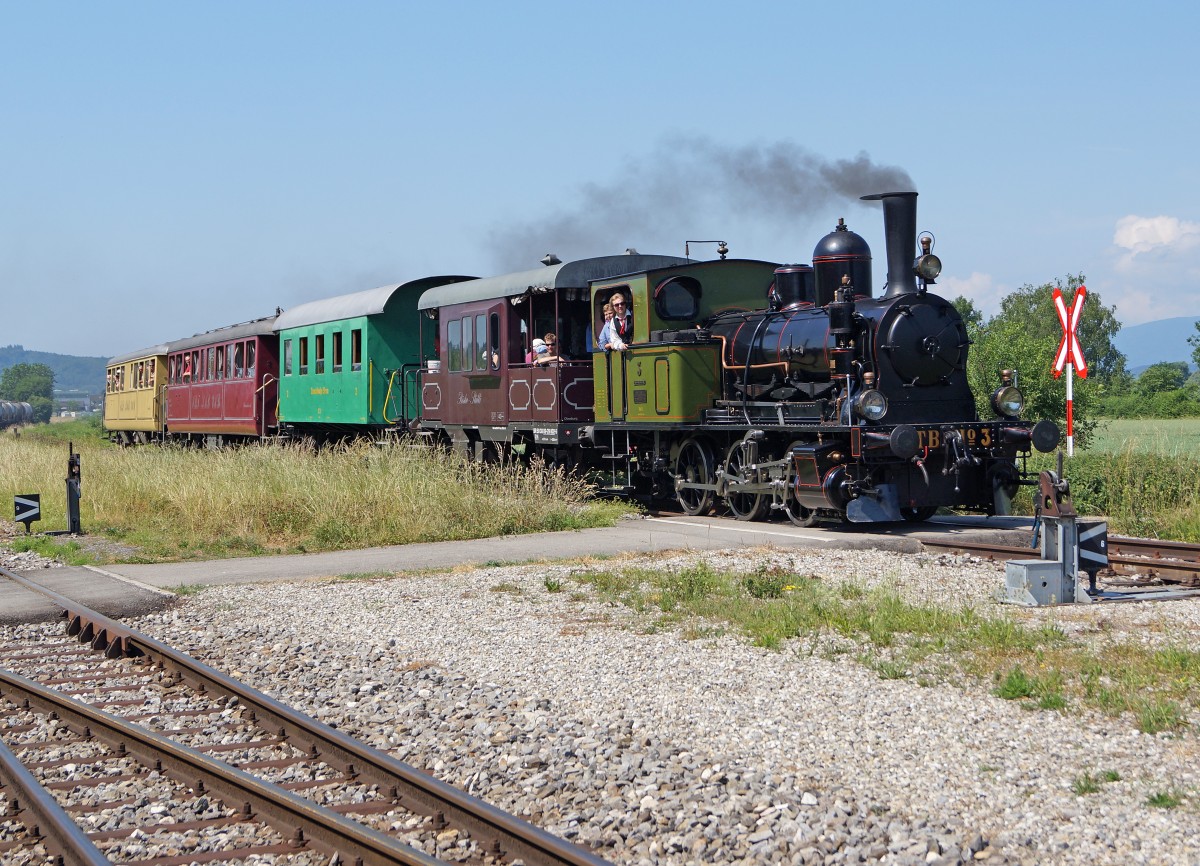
pixel 870 392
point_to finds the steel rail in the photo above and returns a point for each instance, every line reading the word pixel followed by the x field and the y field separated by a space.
pixel 50 822
pixel 506 834
pixel 324 829
pixel 1121 554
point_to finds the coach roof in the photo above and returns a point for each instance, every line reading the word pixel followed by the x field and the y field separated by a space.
pixel 148 352
pixel 256 328
pixel 367 303
pixel 566 275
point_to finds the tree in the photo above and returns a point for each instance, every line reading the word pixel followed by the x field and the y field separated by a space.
pixel 1024 336
pixel 1194 341
pixel 32 384
pixel 1166 376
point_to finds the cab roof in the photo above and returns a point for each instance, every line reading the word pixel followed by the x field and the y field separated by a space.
pixel 565 275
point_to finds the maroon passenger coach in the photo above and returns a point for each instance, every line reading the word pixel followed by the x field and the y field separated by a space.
pixel 223 385
pixel 483 393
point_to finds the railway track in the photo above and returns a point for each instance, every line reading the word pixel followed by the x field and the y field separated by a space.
pixel 1168 561
pixel 117 748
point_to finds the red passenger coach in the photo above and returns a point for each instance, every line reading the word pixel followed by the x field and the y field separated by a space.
pixel 224 384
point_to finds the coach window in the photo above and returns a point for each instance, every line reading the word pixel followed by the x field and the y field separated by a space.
pixel 287 357
pixel 481 343
pixel 468 342
pixel 197 366
pixel 337 351
pixel 249 359
pixel 454 344
pixel 211 367
pixel 237 361
pixel 220 367
pixel 319 353
pixel 355 350
pixel 304 356
pixel 494 340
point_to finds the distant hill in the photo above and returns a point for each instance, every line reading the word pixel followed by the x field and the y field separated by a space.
pixel 71 372
pixel 1155 342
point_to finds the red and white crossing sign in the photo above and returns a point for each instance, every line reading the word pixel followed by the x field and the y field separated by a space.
pixel 1070 353
pixel 1069 350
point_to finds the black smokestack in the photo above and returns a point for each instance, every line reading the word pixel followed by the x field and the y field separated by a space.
pixel 900 233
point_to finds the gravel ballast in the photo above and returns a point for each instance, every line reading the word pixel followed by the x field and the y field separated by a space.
pixel 581 716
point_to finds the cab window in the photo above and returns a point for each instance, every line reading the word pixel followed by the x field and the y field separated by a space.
pixel 677 299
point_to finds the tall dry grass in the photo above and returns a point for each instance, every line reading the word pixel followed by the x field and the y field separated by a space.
pixel 175 502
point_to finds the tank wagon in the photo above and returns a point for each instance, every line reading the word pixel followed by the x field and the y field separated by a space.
pixel 13 413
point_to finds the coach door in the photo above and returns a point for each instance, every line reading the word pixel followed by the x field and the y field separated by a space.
pixel 617 407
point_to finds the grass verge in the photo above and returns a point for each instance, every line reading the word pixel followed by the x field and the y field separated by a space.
pixel 1037 665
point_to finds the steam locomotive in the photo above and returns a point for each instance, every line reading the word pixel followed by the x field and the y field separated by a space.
pixel 769 388
pixel 766 388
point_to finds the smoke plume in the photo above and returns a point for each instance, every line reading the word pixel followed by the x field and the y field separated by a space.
pixel 688 188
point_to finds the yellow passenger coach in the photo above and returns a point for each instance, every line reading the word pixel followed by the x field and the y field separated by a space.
pixel 135 395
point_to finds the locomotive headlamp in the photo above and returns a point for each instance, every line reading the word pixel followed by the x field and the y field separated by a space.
pixel 928 267
pixel 871 405
pixel 1008 401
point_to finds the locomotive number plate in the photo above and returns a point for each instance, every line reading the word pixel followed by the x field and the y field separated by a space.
pixel 980 437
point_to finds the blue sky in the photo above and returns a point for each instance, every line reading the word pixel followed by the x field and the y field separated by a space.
pixel 168 168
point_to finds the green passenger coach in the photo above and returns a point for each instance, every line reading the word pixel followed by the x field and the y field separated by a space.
pixel 353 361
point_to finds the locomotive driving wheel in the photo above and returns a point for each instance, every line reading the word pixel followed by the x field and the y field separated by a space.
pixel 694 465
pixel 917 514
pixel 745 506
pixel 797 513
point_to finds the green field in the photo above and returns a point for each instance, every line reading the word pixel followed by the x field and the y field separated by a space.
pixel 1167 437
